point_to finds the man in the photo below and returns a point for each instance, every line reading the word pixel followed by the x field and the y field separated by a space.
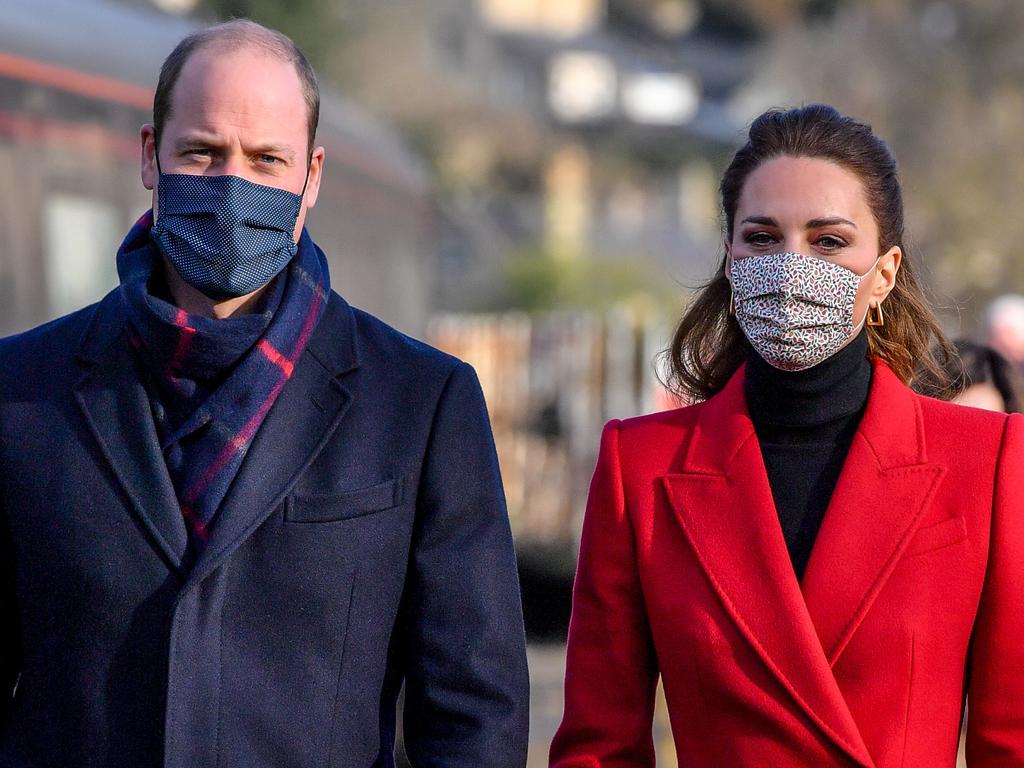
pixel 236 514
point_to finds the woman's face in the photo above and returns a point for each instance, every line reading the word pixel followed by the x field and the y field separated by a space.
pixel 817 208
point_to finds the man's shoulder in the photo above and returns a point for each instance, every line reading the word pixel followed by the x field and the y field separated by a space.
pixel 382 344
pixel 41 357
pixel 57 337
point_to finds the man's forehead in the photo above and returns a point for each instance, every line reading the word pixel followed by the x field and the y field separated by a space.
pixel 245 81
pixel 247 74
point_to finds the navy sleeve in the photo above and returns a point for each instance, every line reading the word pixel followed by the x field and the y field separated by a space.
pixel 10 663
pixel 467 687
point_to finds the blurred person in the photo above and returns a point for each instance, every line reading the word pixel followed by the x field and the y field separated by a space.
pixel 1004 328
pixel 984 379
pixel 237 514
pixel 813 560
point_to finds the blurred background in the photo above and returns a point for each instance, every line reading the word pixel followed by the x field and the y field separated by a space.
pixel 531 185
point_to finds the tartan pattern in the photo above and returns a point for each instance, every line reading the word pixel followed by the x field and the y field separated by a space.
pixel 213 382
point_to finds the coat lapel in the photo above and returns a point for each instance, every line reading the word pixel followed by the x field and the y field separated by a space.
pixel 300 423
pixel 724 503
pixel 117 409
pixel 878 503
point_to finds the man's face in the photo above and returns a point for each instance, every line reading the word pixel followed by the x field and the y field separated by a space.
pixel 241 113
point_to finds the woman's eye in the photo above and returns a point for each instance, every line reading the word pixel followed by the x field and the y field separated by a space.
pixel 760 238
pixel 830 243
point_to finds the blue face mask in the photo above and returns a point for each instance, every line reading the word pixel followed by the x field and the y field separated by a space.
pixel 224 235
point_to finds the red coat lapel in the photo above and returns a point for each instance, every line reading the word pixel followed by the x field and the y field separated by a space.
pixel 876 507
pixel 724 504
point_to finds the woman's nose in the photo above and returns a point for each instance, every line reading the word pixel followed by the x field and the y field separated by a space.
pixel 793 243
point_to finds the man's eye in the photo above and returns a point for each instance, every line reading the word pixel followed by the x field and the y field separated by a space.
pixel 270 159
pixel 198 152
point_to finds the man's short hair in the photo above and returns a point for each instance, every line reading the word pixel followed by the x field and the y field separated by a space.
pixel 231 36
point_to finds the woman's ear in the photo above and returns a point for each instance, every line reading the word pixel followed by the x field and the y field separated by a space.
pixel 885 274
pixel 728 260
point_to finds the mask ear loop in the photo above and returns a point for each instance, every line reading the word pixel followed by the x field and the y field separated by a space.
pixel 156 154
pixel 309 167
pixel 878 320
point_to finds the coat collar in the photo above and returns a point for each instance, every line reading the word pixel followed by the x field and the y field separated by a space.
pixel 117 408
pixel 338 353
pixel 724 503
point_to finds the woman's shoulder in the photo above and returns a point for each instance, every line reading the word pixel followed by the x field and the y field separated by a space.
pixel 963 428
pixel 653 432
pixel 942 412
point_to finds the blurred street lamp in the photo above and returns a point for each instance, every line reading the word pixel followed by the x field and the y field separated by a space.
pixel 660 98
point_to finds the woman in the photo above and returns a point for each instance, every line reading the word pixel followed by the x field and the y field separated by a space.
pixel 806 557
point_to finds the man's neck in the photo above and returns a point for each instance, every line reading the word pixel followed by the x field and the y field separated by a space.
pixel 195 302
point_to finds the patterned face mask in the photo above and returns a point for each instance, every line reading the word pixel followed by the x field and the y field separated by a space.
pixel 795 310
pixel 225 235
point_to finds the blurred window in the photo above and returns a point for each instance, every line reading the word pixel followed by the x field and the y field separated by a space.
pixel 80 238
pixel 566 18
pixel 582 86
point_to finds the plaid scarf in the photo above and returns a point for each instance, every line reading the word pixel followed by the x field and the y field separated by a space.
pixel 212 382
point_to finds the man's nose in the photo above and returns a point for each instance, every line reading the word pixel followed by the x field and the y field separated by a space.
pixel 233 164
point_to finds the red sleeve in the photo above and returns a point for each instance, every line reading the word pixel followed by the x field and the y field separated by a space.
pixel 995 700
pixel 611 670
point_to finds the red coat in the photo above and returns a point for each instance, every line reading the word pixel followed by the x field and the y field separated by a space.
pixel 914 591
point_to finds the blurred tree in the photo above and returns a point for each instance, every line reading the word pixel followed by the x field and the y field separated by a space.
pixel 943 82
pixel 538 281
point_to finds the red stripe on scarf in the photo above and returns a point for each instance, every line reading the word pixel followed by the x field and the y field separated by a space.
pixel 241 440
pixel 184 341
pixel 276 358
pixel 197 526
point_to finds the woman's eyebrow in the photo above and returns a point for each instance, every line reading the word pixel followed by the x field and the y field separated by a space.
pixel 829 222
pixel 765 221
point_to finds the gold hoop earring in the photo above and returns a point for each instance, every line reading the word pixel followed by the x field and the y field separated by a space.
pixel 732 304
pixel 878 319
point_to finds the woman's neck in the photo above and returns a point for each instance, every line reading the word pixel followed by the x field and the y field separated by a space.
pixel 833 390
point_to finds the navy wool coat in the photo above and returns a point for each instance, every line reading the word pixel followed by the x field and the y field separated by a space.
pixel 365 544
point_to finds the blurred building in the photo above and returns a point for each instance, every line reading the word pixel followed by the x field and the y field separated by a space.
pixel 583 129
pixel 76 80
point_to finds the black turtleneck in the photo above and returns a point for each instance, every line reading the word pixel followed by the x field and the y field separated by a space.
pixel 805 422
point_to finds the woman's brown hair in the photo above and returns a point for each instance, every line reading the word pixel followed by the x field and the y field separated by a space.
pixel 708 345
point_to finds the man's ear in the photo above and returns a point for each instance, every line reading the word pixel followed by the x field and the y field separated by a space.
pixel 148 161
pixel 316 172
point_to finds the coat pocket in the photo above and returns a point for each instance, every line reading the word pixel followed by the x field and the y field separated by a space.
pixel 945 533
pixel 345 505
